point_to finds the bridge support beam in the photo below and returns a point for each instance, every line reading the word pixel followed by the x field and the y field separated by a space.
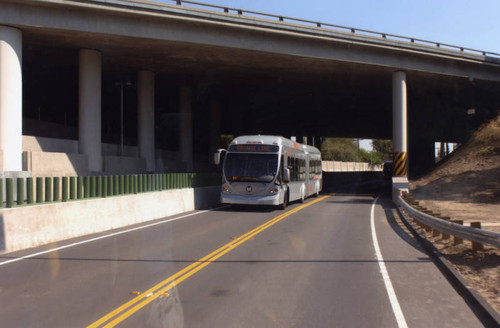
pixel 146 118
pixel 89 111
pixel 186 128
pixel 11 87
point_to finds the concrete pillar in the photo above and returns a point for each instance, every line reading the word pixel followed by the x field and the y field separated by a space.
pixel 89 112
pixel 185 128
pixel 214 126
pixel 146 117
pixel 11 87
pixel 399 124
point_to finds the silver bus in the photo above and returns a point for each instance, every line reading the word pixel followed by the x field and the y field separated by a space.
pixel 268 170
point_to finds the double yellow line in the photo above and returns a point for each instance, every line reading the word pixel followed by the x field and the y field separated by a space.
pixel 126 310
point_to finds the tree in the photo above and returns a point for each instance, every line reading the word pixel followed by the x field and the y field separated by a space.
pixel 382 150
pixel 343 149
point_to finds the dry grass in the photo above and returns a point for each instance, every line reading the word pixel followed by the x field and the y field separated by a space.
pixel 466 186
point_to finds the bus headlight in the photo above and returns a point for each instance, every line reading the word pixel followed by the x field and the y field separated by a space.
pixel 225 189
pixel 273 191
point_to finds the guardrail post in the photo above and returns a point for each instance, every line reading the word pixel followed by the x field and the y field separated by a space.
pixel 93 186
pixel 475 245
pixel 72 188
pixel 39 190
pixel 127 184
pixel 445 235
pixel 79 187
pixel 86 187
pixel 29 191
pixel 169 180
pixel 99 187
pixel 64 189
pixel 9 190
pixel 20 191
pixel 139 183
pixel 105 186
pixel 457 240
pixel 122 184
pixel 111 187
pixel 56 190
pixel 116 182
pixel 48 190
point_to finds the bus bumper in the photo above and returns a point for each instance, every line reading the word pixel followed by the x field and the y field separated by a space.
pixel 250 200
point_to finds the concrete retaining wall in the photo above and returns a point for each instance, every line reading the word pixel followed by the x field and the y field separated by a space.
pixel 32 226
pixel 43 164
pixel 336 166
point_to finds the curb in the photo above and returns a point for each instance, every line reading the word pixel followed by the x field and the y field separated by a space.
pixel 484 311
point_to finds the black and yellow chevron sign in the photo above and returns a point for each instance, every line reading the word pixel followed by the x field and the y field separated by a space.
pixel 399 162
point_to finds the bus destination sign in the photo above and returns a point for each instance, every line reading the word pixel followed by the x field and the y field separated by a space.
pixel 254 148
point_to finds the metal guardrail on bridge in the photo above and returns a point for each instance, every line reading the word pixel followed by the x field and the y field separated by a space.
pixel 490 56
pixel 472 234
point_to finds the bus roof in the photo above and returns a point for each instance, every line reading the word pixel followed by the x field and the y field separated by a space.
pixel 274 140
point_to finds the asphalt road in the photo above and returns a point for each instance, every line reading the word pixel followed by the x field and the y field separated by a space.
pixel 312 265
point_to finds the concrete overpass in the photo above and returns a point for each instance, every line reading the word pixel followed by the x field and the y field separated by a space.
pixel 187 74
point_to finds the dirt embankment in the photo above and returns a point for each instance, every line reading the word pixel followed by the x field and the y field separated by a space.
pixel 466 186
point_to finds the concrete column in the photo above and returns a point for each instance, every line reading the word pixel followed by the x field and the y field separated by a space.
pixel 11 87
pixel 214 126
pixel 399 124
pixel 89 112
pixel 186 128
pixel 146 117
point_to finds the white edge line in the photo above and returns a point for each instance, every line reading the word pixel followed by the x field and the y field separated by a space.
pixel 105 236
pixel 398 313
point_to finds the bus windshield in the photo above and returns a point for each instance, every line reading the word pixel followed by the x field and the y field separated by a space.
pixel 250 167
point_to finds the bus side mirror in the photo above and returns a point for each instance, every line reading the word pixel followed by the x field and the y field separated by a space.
pixel 219 156
pixel 286 175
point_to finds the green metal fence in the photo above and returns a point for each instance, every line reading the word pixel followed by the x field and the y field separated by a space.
pixel 31 191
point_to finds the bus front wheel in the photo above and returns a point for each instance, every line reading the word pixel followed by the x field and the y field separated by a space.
pixel 285 202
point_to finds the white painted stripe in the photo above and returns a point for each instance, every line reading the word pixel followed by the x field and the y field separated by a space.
pixel 400 318
pixel 103 237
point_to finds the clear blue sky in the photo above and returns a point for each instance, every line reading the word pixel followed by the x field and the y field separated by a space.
pixel 467 23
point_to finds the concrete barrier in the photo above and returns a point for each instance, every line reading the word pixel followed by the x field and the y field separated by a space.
pixel 32 226
pixel 337 166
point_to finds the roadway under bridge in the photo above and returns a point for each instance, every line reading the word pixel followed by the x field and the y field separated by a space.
pixel 202 72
